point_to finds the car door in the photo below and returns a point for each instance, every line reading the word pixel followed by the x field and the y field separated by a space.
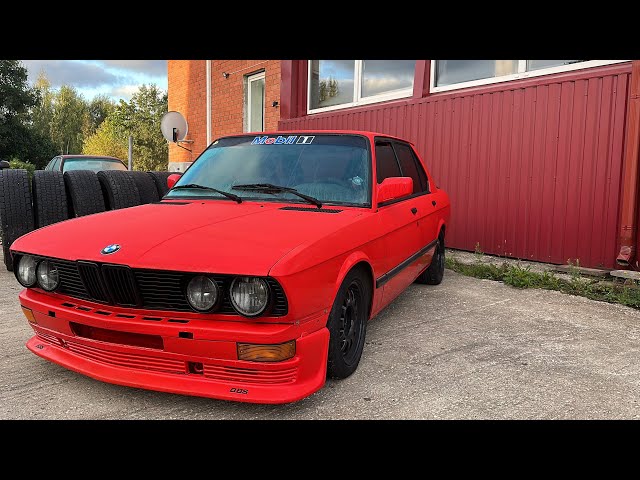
pixel 411 166
pixel 399 221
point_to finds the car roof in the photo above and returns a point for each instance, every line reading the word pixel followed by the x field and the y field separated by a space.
pixel 80 157
pixel 319 131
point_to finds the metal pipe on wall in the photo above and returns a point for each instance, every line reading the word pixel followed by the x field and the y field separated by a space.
pixel 130 156
pixel 208 75
pixel 629 202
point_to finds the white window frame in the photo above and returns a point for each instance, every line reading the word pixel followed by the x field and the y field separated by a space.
pixel 357 92
pixel 252 78
pixel 522 73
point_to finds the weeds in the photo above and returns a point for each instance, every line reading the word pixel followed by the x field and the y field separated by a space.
pixel 627 293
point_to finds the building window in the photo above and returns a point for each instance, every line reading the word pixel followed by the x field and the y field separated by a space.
pixel 452 74
pixel 254 103
pixel 346 83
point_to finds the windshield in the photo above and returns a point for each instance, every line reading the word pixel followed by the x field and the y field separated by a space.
pixel 95 164
pixel 334 169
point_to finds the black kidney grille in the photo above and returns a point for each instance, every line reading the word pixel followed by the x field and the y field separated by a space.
pixel 70 281
pixel 162 290
pixel 121 284
pixel 90 274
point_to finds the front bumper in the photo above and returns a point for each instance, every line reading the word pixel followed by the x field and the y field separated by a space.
pixel 196 357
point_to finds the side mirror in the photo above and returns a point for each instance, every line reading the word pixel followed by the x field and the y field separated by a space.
pixel 4 164
pixel 172 179
pixel 394 187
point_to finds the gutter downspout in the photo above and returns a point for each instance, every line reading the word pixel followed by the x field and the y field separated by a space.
pixel 628 211
pixel 208 102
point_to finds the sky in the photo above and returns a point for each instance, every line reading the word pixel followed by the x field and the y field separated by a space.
pixel 118 79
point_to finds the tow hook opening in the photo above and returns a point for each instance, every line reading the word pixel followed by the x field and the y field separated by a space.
pixel 195 368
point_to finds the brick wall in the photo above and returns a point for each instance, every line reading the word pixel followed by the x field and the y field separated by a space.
pixel 187 95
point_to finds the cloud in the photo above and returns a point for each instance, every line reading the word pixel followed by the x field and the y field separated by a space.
pixel 124 91
pixel 67 72
pixel 148 67
pixel 375 85
pixel 115 78
pixel 389 67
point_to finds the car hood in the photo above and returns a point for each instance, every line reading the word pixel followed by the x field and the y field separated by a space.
pixel 194 236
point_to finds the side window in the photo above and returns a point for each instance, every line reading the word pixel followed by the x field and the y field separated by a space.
pixel 56 163
pixel 411 167
pixel 49 165
pixel 386 163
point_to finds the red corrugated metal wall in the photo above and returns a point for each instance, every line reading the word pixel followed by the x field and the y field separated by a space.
pixel 532 167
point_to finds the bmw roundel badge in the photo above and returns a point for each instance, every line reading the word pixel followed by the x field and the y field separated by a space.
pixel 109 249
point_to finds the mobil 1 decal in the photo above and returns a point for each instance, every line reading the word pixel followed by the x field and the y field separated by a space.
pixel 282 140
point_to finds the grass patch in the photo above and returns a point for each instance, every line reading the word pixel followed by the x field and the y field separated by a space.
pixel 625 293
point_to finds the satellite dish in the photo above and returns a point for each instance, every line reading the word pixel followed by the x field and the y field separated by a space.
pixel 174 127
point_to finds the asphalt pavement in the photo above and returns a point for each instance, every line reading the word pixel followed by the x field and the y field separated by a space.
pixel 466 349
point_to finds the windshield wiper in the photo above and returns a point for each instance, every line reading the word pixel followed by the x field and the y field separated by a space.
pixel 271 188
pixel 203 187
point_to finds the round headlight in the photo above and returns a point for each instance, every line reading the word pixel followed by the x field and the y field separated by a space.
pixel 27 271
pixel 48 277
pixel 202 293
pixel 249 295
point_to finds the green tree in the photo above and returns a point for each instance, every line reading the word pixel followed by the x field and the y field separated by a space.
pixel 109 139
pixel 98 109
pixel 42 147
pixel 43 112
pixel 16 101
pixel 140 117
pixel 67 120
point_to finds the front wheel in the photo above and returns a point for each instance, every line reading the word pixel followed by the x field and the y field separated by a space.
pixel 347 325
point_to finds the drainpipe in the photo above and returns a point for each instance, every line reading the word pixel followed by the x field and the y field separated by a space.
pixel 629 215
pixel 208 102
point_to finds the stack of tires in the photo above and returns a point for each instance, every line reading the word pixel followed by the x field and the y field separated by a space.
pixel 52 197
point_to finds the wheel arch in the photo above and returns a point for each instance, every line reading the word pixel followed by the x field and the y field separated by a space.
pixel 442 228
pixel 357 260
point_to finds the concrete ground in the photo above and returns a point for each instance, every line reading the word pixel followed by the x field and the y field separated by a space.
pixel 466 349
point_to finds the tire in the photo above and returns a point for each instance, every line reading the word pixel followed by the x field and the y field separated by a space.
pixel 146 187
pixel 84 195
pixel 119 189
pixel 347 324
pixel 49 198
pixel 160 179
pixel 16 211
pixel 434 273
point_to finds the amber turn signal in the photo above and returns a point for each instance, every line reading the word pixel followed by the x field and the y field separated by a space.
pixel 29 314
pixel 266 353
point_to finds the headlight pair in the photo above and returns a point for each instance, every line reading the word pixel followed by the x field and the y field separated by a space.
pixel 249 295
pixel 32 271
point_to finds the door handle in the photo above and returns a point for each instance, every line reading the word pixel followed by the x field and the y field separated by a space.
pixel 414 210
pixel 433 202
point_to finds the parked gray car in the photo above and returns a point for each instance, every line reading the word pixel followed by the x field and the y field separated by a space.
pixel 97 163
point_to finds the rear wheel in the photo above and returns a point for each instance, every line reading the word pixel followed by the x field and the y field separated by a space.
pixel 119 189
pixel 16 212
pixel 435 272
pixel 347 324
pixel 49 197
pixel 83 193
